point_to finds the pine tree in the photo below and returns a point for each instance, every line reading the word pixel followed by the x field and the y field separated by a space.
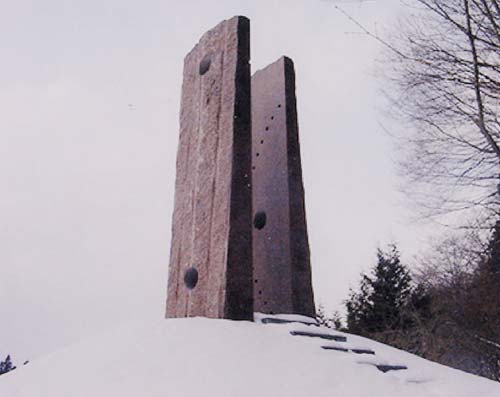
pixel 391 289
pixel 380 303
pixel 334 321
pixel 321 317
pixel 6 366
pixel 359 307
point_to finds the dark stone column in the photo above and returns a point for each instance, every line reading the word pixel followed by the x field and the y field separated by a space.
pixel 210 271
pixel 282 272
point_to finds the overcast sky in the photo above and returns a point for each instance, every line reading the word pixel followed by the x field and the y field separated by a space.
pixel 89 99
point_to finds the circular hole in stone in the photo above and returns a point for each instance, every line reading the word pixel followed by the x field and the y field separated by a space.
pixel 267 128
pixel 279 105
pixel 204 65
pixel 191 278
pixel 262 141
pixel 256 281
pixel 253 167
pixel 272 117
pixel 260 292
pixel 257 154
pixel 259 220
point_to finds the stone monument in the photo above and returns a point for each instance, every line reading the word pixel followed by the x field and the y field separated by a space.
pixel 239 237
pixel 281 268
pixel 211 251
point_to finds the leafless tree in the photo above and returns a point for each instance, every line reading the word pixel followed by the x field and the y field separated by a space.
pixel 443 69
pixel 462 328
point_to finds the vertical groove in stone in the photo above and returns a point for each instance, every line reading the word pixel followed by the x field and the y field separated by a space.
pixel 211 229
pixel 302 292
pixel 239 263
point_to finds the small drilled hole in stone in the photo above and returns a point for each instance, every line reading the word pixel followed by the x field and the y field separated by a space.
pixel 204 65
pixel 257 154
pixel 279 105
pixel 260 292
pixel 267 128
pixel 265 302
pixel 256 281
pixel 253 167
pixel 191 278
pixel 261 141
pixel 259 220
pixel 272 117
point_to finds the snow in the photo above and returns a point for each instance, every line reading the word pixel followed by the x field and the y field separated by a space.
pixel 204 357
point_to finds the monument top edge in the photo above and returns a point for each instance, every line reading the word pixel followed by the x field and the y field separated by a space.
pixel 235 20
pixel 284 60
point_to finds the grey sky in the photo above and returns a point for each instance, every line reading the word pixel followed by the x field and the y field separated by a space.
pixel 89 99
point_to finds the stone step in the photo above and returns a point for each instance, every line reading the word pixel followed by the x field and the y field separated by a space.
pixel 387 368
pixel 273 320
pixel 344 349
pixel 363 351
pixel 337 338
pixel 340 349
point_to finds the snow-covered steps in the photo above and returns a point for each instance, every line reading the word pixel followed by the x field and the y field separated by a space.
pixel 347 348
pixel 383 363
pixel 300 326
pixel 321 335
pixel 380 366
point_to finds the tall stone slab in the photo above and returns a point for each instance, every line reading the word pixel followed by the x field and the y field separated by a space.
pixel 282 271
pixel 210 270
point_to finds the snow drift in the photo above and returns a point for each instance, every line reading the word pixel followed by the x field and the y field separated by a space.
pixel 203 357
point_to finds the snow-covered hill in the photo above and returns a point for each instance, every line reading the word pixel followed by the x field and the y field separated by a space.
pixel 202 357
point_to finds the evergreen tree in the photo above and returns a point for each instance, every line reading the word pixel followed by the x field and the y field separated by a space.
pixel 334 321
pixel 359 307
pixel 382 298
pixel 321 317
pixel 391 288
pixel 6 366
